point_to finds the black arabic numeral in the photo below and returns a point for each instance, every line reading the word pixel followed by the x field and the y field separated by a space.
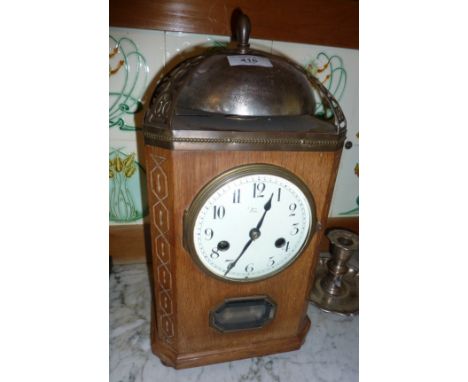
pixel 219 212
pixel 258 190
pixel 292 208
pixel 236 196
pixel 295 229
pixel 209 234
pixel 249 268
pixel 214 253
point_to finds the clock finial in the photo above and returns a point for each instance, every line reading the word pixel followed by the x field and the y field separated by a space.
pixel 243 32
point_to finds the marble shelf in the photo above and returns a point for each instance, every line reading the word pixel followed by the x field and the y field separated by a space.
pixel 329 354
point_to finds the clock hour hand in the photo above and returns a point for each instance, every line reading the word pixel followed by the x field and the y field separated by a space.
pixel 267 207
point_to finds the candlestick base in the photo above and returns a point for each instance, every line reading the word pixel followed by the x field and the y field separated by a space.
pixel 345 303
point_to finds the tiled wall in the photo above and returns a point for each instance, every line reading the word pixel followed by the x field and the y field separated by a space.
pixel 137 60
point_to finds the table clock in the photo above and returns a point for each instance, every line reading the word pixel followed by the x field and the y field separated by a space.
pixel 240 175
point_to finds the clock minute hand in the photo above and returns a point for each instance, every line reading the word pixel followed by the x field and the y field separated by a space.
pixel 267 207
pixel 254 235
pixel 231 265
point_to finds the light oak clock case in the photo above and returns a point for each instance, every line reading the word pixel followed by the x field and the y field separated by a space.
pixel 207 117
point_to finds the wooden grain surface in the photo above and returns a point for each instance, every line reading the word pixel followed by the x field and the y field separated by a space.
pixel 185 294
pixel 321 22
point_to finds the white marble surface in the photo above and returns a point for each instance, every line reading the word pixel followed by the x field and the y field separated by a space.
pixel 329 354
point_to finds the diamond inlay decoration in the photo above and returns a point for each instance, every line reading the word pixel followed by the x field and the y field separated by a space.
pixel 164 277
pixel 162 249
pixel 159 183
pixel 168 327
pixel 165 302
pixel 161 217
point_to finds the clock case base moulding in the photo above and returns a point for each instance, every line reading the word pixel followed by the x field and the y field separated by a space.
pixel 185 360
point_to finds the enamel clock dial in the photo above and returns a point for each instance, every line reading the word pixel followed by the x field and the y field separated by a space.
pixel 250 223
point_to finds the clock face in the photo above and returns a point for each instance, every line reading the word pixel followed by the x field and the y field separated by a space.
pixel 251 222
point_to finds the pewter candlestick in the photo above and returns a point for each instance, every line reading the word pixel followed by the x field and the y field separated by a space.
pixel 336 286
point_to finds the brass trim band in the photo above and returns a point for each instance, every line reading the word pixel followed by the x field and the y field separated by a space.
pixel 258 141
